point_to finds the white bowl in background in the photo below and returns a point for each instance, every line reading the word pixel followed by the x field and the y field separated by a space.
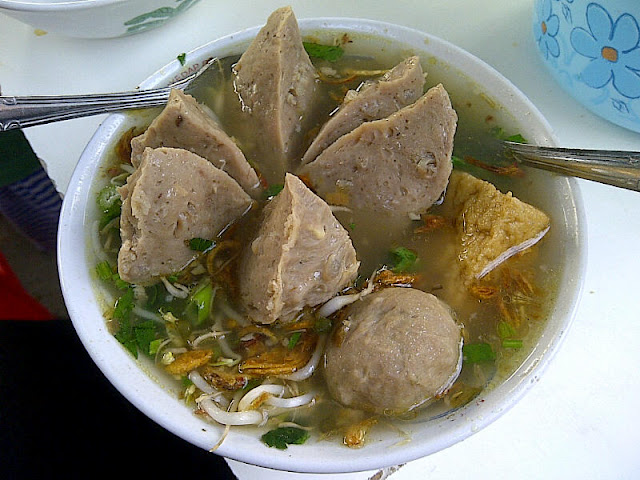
pixel 94 18
pixel 159 400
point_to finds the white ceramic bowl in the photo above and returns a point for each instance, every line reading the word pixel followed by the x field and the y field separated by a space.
pixel 95 18
pixel 158 400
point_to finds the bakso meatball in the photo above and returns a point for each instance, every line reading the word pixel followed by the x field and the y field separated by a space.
pixel 395 350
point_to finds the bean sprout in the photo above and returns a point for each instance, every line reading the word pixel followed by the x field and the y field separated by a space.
pixel 255 393
pixel 177 290
pixel 291 402
pixel 312 364
pixel 336 303
pixel 205 336
pixel 251 417
pixel 200 382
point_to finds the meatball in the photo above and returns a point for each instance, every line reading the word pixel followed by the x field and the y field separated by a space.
pixel 398 348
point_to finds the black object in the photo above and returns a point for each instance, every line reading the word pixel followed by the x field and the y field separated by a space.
pixel 61 418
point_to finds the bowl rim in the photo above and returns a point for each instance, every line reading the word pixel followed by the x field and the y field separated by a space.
pixel 102 348
pixel 56 6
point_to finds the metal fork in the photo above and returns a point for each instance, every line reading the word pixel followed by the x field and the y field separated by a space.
pixel 27 111
pixel 613 167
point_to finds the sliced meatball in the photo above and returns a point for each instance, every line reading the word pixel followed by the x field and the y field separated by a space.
pixel 396 349
pixel 173 197
pixel 183 123
pixel 400 164
pixel 300 257
pixel 399 87
pixel 276 83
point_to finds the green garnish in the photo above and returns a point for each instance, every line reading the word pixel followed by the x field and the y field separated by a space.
pixel 284 436
pixel 202 300
pixel 331 53
pixel 517 138
pixel 200 244
pixel 124 305
pixel 511 343
pixel 322 325
pixel 352 226
pixel 403 259
pixel 505 330
pixel 103 269
pixel 478 353
pixel 294 339
pixel 273 190
pixel 154 346
pixel 110 204
pixel 182 58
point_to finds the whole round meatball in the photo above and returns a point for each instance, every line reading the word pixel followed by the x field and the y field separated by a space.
pixel 398 348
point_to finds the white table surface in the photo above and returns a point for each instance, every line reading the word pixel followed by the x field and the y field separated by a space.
pixel 582 419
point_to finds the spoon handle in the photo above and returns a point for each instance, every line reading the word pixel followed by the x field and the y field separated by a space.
pixel 21 112
pixel 613 167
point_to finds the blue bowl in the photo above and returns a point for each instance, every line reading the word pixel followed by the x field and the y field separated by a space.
pixel 592 49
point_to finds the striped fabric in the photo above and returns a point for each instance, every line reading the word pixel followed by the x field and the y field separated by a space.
pixel 33 206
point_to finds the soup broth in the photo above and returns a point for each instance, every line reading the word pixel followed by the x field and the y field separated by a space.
pixel 504 313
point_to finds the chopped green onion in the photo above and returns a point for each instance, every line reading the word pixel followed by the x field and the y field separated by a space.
pixel 478 353
pixel 403 258
pixel 511 343
pixel 103 269
pixel 330 53
pixel 517 138
pixel 202 300
pixel 284 436
pixel 294 339
pixel 273 190
pixel 110 203
pixel 200 244
pixel 154 346
pixel 182 58
pixel 505 330
pixel 186 381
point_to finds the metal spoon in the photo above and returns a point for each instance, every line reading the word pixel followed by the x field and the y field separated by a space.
pixel 27 111
pixel 613 167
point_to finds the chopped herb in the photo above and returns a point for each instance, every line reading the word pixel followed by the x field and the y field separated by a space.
pixel 505 330
pixel 103 269
pixel 330 53
pixel 202 300
pixel 478 353
pixel 284 436
pixel 182 58
pixel 126 336
pixel 154 346
pixel 294 339
pixel 510 343
pixel 273 190
pixel 145 333
pixel 119 283
pixel 322 325
pixel 458 162
pixel 517 138
pixel 186 381
pixel 124 305
pixel 352 226
pixel 404 259
pixel 110 204
pixel 200 244
pixel 172 278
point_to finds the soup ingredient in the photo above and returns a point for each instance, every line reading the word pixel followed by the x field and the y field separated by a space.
pixel 301 256
pixel 172 197
pixel 492 226
pixel 400 164
pixel 284 436
pixel 399 87
pixel 400 348
pixel 330 53
pixel 276 84
pixel 183 123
